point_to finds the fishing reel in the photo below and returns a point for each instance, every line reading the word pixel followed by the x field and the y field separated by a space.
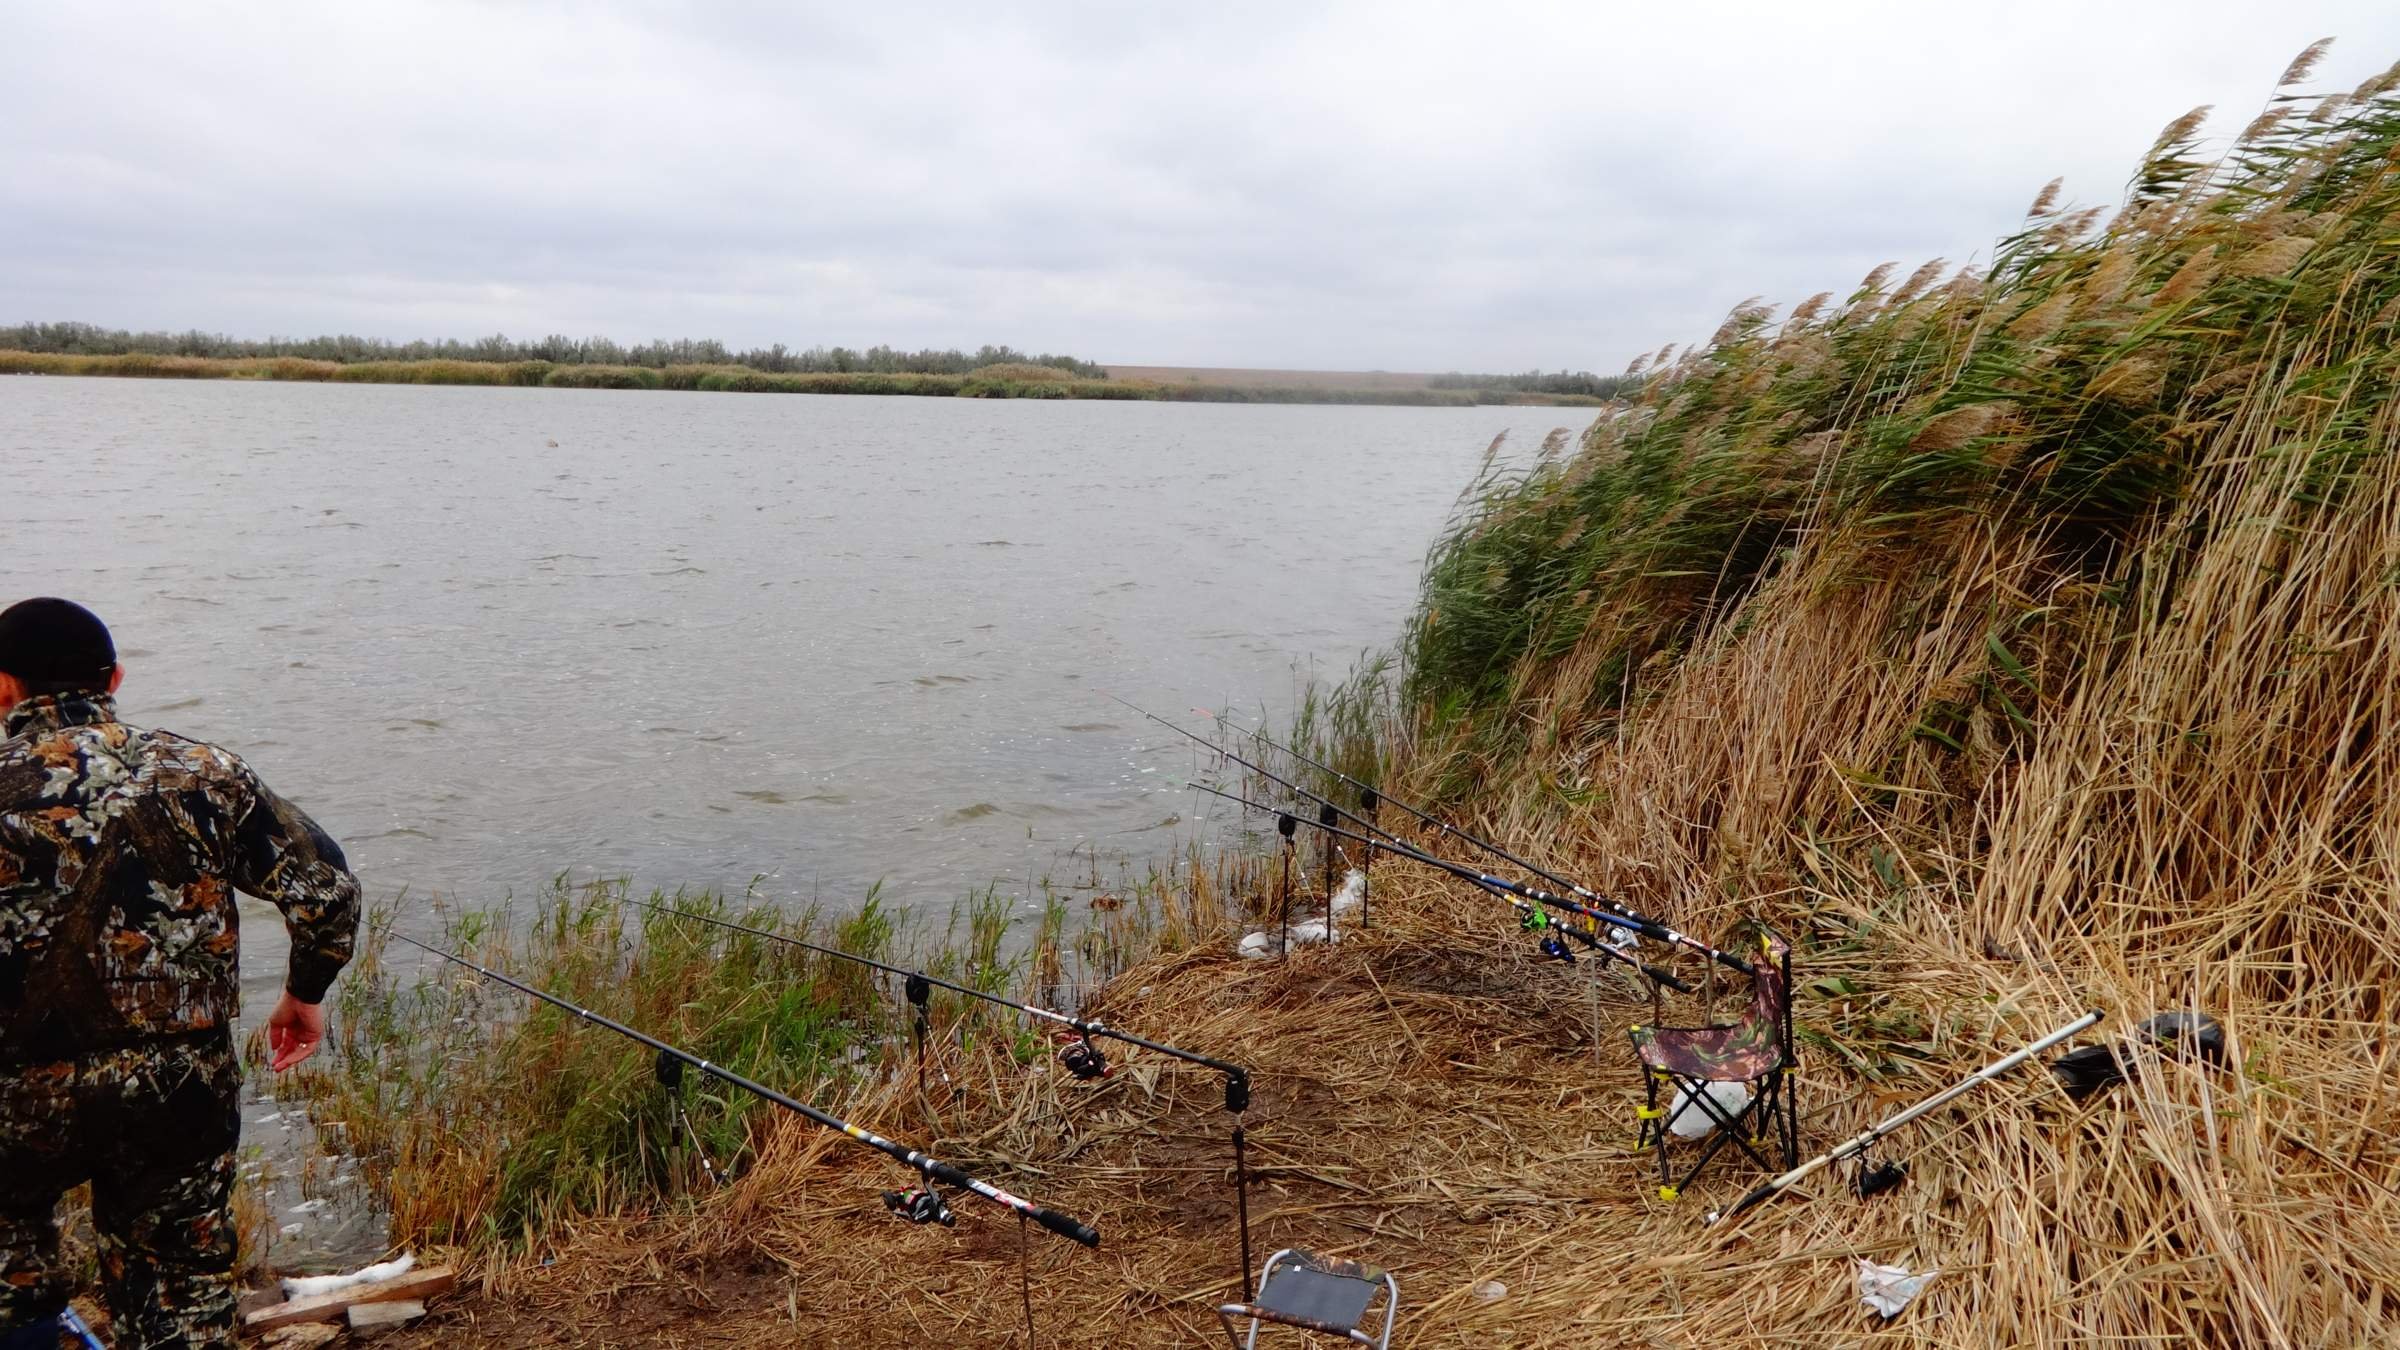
pixel 1083 1059
pixel 1874 1178
pixel 1556 950
pixel 919 1204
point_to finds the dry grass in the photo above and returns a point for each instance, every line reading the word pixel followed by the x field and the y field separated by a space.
pixel 1430 1099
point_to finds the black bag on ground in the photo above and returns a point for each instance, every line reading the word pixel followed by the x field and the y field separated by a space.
pixel 2086 1071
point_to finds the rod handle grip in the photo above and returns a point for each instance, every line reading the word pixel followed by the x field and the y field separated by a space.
pixel 1667 978
pixel 1066 1227
pixel 1732 962
pixel 1744 1203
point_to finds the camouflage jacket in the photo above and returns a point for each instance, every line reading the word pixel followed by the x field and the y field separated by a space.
pixel 120 852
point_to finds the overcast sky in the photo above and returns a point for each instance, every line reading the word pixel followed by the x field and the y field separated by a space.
pixel 1374 185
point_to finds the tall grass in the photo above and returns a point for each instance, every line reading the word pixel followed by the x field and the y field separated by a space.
pixel 2024 638
pixel 2112 369
pixel 484 1116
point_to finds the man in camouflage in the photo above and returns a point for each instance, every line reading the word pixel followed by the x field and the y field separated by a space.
pixel 120 852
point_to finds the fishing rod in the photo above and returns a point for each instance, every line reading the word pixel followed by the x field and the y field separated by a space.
pixel 1084 1027
pixel 1533 904
pixel 1081 1059
pixel 1392 843
pixel 1370 798
pixel 1369 795
pixel 1527 899
pixel 1892 1174
pixel 1614 914
pixel 912 1206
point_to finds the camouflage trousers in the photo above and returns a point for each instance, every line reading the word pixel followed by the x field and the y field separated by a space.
pixel 153 1128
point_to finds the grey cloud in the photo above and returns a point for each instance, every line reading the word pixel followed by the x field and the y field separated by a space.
pixel 1382 185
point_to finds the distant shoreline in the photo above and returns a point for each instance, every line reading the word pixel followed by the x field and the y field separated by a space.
pixel 1009 381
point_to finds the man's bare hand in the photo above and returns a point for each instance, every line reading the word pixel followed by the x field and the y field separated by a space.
pixel 294 1031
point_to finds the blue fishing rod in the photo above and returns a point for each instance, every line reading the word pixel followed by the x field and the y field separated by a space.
pixel 1590 903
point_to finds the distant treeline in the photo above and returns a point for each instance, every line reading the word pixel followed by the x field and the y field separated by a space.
pixel 83 339
pixel 1581 382
pixel 1003 379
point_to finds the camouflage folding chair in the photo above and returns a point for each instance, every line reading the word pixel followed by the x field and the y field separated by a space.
pixel 1319 1294
pixel 1755 1052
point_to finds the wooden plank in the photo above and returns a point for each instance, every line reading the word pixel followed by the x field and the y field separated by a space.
pixel 417 1284
pixel 367 1319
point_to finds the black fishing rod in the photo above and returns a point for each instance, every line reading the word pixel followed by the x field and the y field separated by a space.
pixel 1392 843
pixel 1370 794
pixel 1533 904
pixel 931 1169
pixel 1082 1059
pixel 1237 1079
pixel 1614 914
pixel 1396 844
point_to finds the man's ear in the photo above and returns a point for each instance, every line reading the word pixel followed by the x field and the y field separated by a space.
pixel 116 677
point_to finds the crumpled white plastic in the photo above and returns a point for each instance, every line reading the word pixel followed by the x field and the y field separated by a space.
pixel 1888 1289
pixel 1692 1122
pixel 1347 902
pixel 310 1286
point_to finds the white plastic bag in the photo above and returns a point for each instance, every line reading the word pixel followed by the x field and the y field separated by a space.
pixel 1689 1121
pixel 311 1286
pixel 1888 1289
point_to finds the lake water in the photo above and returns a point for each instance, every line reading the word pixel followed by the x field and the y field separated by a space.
pixel 488 636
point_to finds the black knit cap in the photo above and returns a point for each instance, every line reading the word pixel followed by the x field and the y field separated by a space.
pixel 54 646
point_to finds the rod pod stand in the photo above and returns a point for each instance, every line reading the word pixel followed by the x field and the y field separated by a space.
pixel 1286 825
pixel 1326 816
pixel 1645 926
pixel 920 994
pixel 1237 1100
pixel 669 1071
pixel 1612 912
pixel 1526 900
pixel 1367 802
pixel 1237 1079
